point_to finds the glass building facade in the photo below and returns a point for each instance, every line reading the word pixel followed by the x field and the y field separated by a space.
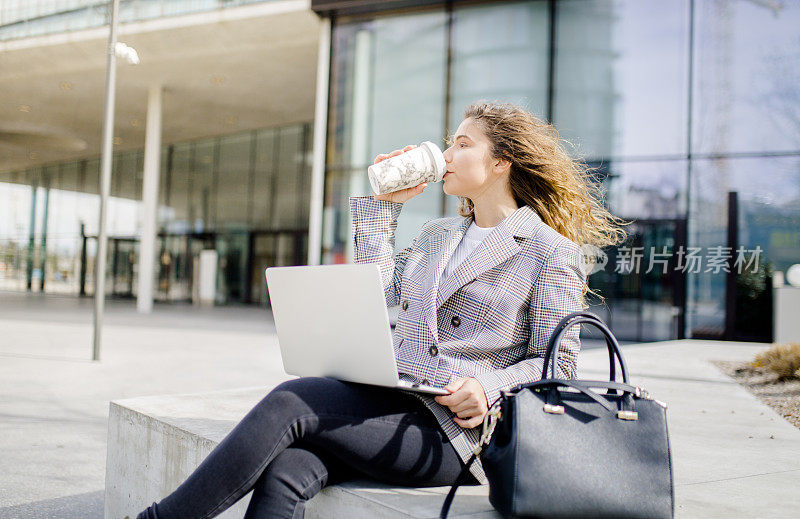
pixel 26 18
pixel 687 110
pixel 245 195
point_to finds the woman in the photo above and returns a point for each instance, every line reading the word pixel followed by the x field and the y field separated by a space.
pixel 480 295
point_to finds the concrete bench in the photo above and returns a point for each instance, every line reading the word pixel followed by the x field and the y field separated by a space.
pixel 154 443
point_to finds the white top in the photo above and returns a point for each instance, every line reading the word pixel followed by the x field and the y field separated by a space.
pixel 473 237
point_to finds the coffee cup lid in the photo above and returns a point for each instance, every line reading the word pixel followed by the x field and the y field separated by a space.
pixel 438 158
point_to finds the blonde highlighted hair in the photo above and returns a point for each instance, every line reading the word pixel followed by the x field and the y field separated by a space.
pixel 545 177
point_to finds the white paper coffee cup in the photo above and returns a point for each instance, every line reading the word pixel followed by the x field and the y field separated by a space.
pixel 425 163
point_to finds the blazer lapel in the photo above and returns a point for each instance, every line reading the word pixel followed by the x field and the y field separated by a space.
pixel 497 247
pixel 440 248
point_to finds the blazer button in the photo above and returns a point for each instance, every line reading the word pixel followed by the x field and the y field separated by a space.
pixel 433 350
pixel 456 321
pixel 405 305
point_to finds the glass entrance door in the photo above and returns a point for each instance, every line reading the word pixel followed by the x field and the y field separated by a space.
pixel 231 279
pixel 124 255
pixel 273 249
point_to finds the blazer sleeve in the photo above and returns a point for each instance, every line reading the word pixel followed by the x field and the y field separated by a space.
pixel 557 293
pixel 374 224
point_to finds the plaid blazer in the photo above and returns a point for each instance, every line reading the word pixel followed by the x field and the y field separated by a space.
pixel 491 319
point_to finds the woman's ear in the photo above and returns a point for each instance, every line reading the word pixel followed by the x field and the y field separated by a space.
pixel 502 166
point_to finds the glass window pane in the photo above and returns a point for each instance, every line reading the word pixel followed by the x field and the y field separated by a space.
pixel 233 180
pixel 746 76
pixel 202 184
pixel 638 277
pixel 509 65
pixel 265 168
pixel 69 177
pixel 656 189
pixel 164 212
pixel 15 219
pixel 289 171
pixel 179 184
pixel 387 91
pixel 768 217
pixel 63 241
pixel 123 205
pixel 621 76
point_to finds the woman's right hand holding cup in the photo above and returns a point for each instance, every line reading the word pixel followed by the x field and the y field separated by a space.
pixel 403 195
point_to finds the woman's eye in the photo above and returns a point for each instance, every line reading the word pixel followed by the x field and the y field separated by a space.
pixel 463 144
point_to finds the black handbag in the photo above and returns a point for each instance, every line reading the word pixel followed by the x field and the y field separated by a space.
pixel 559 448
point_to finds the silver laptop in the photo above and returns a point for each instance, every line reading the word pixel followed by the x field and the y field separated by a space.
pixel 332 322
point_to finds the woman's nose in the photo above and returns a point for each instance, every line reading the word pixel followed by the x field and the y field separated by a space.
pixel 446 154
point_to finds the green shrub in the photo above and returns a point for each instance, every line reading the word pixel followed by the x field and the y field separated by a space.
pixel 781 359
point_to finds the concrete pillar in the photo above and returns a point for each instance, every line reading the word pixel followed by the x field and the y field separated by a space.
pixel 152 163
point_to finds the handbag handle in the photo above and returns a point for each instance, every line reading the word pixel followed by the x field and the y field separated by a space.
pixel 551 356
pixel 460 480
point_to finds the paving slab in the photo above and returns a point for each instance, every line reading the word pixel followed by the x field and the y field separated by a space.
pixel 54 399
pixel 733 455
pixel 54 402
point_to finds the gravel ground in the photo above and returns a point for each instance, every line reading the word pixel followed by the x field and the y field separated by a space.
pixel 784 396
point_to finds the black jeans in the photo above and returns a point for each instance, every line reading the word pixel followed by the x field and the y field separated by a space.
pixel 308 433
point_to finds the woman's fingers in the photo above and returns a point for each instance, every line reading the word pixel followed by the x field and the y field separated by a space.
pixel 469 423
pixel 469 404
pixel 468 412
pixel 403 195
pixel 384 156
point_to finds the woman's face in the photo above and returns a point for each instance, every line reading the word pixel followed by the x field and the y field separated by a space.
pixel 469 162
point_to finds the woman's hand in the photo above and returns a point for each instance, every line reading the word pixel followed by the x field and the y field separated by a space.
pixel 403 195
pixel 467 400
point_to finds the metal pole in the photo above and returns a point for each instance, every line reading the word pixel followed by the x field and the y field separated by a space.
pixel 105 181
pixel 317 205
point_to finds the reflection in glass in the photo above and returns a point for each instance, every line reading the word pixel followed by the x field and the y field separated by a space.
pixel 201 209
pixel 233 181
pixel 621 69
pixel 768 217
pixel 509 65
pixel 642 301
pixel 387 91
pixel 291 176
pixel 15 209
pixel 180 182
pixel 265 175
pixel 52 213
pixel 746 77
pixel 656 189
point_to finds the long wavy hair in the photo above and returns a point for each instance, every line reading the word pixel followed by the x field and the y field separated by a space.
pixel 545 177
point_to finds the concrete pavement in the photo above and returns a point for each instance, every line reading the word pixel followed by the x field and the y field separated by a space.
pixel 54 400
pixel 733 455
